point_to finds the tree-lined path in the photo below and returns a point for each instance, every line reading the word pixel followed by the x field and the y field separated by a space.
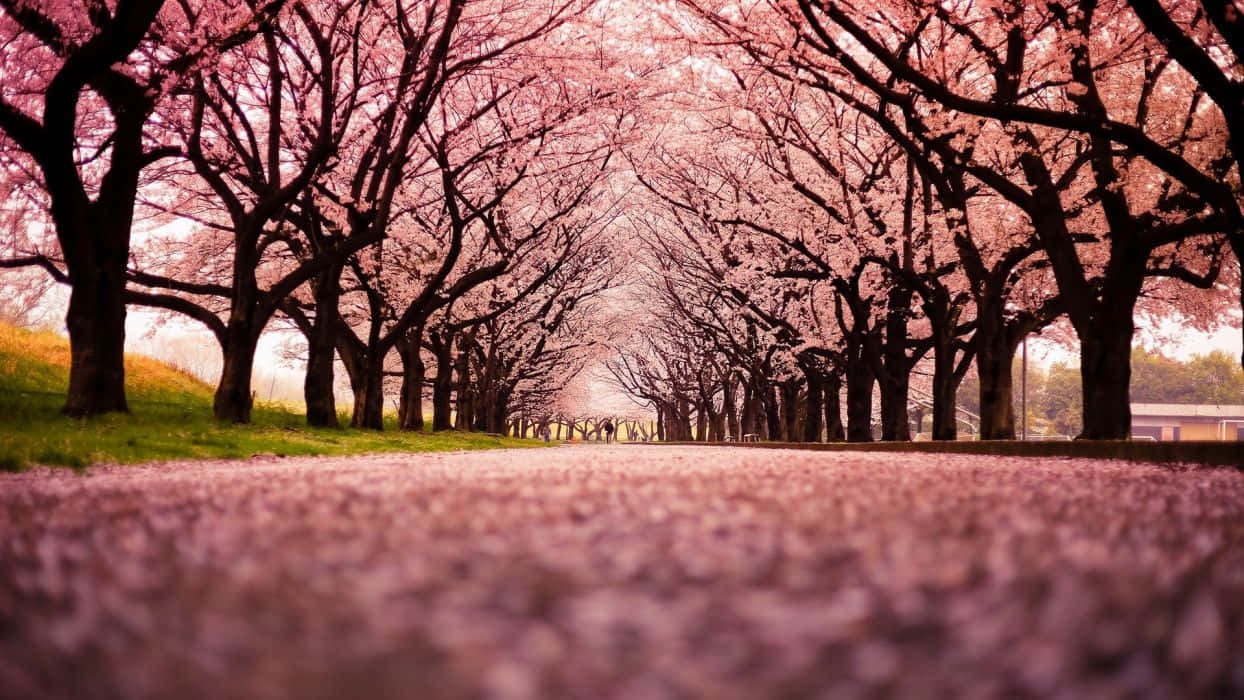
pixel 623 572
pixel 750 218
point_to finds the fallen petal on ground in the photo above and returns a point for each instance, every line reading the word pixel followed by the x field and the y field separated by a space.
pixel 623 572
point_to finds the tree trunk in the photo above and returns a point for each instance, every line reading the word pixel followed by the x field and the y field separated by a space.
pixel 682 420
pixel 317 386
pixel 96 323
pixel 443 386
pixel 728 389
pixel 410 405
pixel 773 420
pixel 995 354
pixel 233 393
pixel 859 395
pixel 945 389
pixel 464 417
pixel 1105 376
pixel 945 384
pixel 834 431
pixel 233 398
pixel 94 237
pixel 489 393
pixel 497 412
pixel 895 422
pixel 748 423
pixel 895 375
pixel 1106 349
pixel 789 392
pixel 369 397
pixel 812 414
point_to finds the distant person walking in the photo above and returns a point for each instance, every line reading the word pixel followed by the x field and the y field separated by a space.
pixel 544 432
pixel 608 432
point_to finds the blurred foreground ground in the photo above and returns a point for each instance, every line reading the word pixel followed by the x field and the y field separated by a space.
pixel 623 572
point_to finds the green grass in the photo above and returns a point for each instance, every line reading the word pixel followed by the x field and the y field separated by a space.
pixel 170 418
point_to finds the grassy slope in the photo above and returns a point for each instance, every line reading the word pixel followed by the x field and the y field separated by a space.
pixel 170 417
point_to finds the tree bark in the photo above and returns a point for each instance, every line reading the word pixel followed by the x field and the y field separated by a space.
pixel 1105 361
pixel 895 422
pixel 945 389
pixel 96 323
pixel 812 415
pixel 1105 373
pixel 945 382
pixel 442 385
pixel 773 420
pixel 464 417
pixel 233 398
pixel 369 396
pixel 498 411
pixel 410 405
pixel 94 236
pixel 789 392
pixel 834 431
pixel 489 391
pixel 894 370
pixel 859 394
pixel 317 386
pixel 682 419
pixel 994 358
pixel 728 389
pixel 749 419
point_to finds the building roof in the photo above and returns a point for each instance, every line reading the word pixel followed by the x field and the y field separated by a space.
pixel 1189 410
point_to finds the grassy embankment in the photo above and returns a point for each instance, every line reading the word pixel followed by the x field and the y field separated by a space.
pixel 170 417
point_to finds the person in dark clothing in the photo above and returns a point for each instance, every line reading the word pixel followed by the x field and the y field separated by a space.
pixel 608 432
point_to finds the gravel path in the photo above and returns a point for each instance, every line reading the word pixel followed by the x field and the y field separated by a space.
pixel 623 572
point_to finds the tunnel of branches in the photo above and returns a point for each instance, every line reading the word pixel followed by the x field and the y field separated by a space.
pixel 785 220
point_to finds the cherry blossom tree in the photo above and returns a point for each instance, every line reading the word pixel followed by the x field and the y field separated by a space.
pixel 80 85
pixel 518 359
pixel 256 132
pixel 1155 166
pixel 506 171
pixel 316 145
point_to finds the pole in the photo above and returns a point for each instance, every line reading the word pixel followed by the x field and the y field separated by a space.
pixel 1023 394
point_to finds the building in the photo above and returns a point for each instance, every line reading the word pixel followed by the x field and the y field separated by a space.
pixel 1179 421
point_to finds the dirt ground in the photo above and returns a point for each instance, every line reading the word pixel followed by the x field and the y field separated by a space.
pixel 623 572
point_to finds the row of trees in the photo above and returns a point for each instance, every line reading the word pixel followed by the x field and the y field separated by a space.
pixel 888 194
pixel 406 184
pixel 822 200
